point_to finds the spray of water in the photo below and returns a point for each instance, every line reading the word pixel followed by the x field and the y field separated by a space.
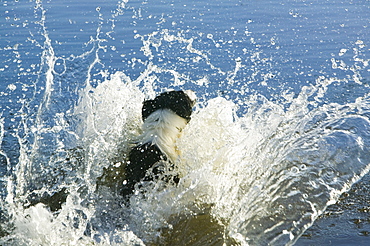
pixel 254 171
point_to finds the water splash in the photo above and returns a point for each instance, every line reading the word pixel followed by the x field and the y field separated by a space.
pixel 266 169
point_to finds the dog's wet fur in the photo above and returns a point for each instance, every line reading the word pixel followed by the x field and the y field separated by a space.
pixel 164 118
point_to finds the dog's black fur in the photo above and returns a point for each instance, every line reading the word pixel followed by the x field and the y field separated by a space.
pixel 177 101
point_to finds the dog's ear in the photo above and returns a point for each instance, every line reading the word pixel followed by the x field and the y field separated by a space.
pixel 179 102
pixel 149 106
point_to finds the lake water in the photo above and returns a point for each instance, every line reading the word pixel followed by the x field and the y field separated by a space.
pixel 276 153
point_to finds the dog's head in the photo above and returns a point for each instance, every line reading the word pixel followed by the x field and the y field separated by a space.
pixel 180 102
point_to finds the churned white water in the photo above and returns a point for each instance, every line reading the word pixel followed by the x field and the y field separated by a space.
pixel 261 159
pixel 266 174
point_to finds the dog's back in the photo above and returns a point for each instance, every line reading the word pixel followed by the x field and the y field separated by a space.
pixel 141 159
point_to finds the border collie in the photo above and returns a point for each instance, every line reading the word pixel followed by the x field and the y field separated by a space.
pixel 164 118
